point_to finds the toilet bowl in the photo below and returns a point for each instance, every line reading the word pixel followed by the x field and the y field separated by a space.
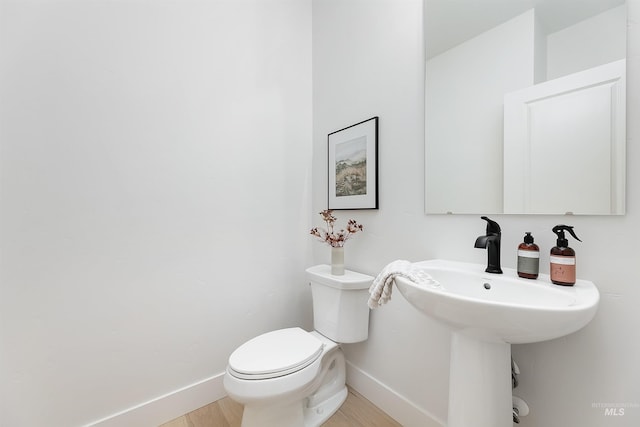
pixel 294 378
pixel 287 395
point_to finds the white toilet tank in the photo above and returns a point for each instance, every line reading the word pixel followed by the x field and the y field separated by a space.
pixel 340 310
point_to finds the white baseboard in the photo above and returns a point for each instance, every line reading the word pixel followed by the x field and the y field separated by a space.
pixel 179 402
pixel 167 407
pixel 395 405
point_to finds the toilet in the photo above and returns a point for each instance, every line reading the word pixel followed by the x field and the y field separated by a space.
pixel 294 378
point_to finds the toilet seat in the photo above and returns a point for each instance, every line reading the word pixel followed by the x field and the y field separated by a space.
pixel 275 354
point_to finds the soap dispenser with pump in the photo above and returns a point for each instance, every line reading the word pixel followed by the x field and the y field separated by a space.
pixel 563 258
pixel 528 258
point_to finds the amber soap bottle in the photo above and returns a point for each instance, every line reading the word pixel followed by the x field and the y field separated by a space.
pixel 528 258
pixel 563 258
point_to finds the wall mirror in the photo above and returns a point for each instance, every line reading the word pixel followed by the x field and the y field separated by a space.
pixel 525 106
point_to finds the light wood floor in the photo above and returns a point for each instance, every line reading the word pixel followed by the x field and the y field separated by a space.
pixel 355 412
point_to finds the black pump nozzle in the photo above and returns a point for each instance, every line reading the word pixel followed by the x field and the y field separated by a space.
pixel 562 241
pixel 528 238
pixel 493 228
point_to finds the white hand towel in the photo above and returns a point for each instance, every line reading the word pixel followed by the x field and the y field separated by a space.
pixel 380 290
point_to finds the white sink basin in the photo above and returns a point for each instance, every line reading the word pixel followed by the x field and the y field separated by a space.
pixel 501 307
pixel 487 313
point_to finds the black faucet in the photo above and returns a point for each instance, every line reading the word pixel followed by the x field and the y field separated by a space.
pixel 491 242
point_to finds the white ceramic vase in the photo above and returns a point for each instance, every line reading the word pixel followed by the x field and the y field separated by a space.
pixel 337 261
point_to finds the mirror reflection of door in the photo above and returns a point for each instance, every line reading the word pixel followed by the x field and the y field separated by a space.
pixel 510 46
pixel 567 133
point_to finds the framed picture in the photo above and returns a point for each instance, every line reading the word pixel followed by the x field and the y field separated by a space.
pixel 353 166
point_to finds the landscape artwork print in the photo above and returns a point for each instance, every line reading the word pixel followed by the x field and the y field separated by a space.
pixel 351 167
pixel 352 163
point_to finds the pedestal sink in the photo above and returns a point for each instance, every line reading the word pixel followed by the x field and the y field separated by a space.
pixel 487 313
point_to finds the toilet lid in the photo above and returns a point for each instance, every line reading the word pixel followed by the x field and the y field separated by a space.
pixel 275 354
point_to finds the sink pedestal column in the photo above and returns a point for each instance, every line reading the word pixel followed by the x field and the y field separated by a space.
pixel 479 383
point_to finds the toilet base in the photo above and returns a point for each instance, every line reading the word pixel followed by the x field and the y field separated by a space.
pixel 290 415
pixel 324 396
pixel 293 414
pixel 317 415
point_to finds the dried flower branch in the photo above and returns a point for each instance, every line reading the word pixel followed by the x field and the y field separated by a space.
pixel 333 238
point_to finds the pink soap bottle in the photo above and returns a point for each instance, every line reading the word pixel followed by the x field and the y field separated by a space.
pixel 563 258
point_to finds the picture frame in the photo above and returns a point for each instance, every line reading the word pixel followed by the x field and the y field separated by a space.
pixel 353 166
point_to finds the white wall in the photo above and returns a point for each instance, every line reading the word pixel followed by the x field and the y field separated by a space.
pixel 466 87
pixel 595 41
pixel 154 188
pixel 368 60
pixel 540 48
